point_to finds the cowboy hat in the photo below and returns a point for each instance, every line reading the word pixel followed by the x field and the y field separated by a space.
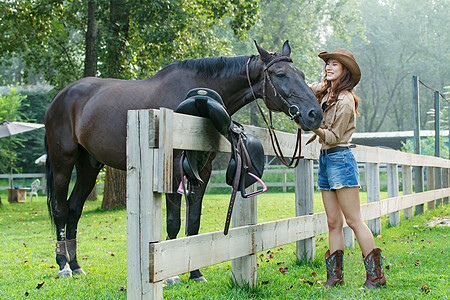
pixel 346 58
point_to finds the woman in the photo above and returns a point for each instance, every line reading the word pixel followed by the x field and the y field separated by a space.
pixel 338 177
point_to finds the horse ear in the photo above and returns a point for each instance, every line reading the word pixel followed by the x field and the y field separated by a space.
pixel 286 51
pixel 264 54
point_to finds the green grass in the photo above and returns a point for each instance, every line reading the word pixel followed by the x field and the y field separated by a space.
pixel 27 257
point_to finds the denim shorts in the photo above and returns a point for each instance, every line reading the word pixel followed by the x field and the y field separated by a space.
pixel 338 170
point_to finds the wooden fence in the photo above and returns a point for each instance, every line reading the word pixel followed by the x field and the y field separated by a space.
pixel 24 180
pixel 287 181
pixel 152 136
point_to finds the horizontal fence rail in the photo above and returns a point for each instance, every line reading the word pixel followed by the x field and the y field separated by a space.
pixel 284 183
pixel 23 180
pixel 150 144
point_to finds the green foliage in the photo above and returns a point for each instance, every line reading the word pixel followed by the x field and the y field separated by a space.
pixel 136 38
pixel 10 105
pixel 33 141
pixel 427 146
pixel 308 25
pixel 404 38
pixel 48 36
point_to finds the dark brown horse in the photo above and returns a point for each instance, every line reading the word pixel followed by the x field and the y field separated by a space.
pixel 86 128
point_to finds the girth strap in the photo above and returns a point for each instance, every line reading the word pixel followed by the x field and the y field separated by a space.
pixel 235 187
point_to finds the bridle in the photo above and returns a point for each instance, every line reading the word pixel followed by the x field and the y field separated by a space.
pixel 296 155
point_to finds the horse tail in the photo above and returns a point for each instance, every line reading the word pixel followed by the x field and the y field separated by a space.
pixel 50 183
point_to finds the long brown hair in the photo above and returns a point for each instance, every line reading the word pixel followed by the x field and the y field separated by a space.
pixel 345 82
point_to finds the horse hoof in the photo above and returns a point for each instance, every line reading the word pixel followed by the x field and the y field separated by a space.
pixel 173 280
pixel 66 272
pixel 199 279
pixel 78 271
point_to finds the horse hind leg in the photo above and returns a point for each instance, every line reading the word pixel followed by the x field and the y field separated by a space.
pixel 87 169
pixel 59 177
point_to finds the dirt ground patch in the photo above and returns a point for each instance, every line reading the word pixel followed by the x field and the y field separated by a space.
pixel 439 221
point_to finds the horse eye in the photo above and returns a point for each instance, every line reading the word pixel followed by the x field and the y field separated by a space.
pixel 281 75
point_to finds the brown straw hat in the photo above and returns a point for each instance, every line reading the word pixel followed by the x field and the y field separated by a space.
pixel 346 58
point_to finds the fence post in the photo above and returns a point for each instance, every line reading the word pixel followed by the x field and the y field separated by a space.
pixel 437 144
pixel 419 187
pixel 445 182
pixel 244 213
pixel 144 207
pixel 373 193
pixel 431 184
pixel 438 183
pixel 392 185
pixel 418 171
pixel 407 188
pixel 349 237
pixel 304 205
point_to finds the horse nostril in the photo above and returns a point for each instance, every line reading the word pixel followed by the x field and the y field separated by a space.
pixel 315 116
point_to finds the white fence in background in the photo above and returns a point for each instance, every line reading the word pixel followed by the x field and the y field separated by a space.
pixel 152 137
pixel 24 180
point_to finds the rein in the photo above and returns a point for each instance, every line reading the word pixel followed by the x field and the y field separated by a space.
pixel 273 137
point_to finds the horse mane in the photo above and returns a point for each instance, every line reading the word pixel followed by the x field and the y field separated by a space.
pixel 213 67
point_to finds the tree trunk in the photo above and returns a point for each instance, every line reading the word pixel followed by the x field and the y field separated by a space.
pixel 117 35
pixel 90 58
pixel 90 62
pixel 115 191
pixel 115 180
pixel 93 195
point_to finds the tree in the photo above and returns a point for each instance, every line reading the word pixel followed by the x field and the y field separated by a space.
pixel 309 26
pixel 10 105
pixel 404 38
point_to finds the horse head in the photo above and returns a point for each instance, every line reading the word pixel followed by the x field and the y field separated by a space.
pixel 284 89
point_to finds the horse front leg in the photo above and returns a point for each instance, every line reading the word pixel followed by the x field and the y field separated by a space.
pixel 173 224
pixel 195 200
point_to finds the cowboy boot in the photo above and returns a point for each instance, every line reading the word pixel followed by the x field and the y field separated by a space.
pixel 374 269
pixel 335 268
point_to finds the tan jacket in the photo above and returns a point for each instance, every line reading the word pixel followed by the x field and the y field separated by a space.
pixel 339 119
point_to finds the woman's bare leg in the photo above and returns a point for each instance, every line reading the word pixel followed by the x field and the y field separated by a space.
pixel 335 221
pixel 348 199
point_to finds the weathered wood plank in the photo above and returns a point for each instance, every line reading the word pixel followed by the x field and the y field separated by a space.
pixel 144 208
pixel 304 205
pixel 392 178
pixel 373 194
pixel 407 189
pixel 134 283
pixel 419 187
pixel 431 185
pixel 166 146
pixel 244 269
pixel 445 183
pixel 182 255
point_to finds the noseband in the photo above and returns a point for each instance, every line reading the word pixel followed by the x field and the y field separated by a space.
pixel 296 155
pixel 275 90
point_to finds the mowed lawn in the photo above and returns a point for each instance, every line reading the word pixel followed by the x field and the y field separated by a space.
pixel 417 257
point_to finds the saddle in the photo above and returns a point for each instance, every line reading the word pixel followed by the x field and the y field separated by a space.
pixel 246 164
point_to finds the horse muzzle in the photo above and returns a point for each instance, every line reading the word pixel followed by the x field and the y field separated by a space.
pixel 309 120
